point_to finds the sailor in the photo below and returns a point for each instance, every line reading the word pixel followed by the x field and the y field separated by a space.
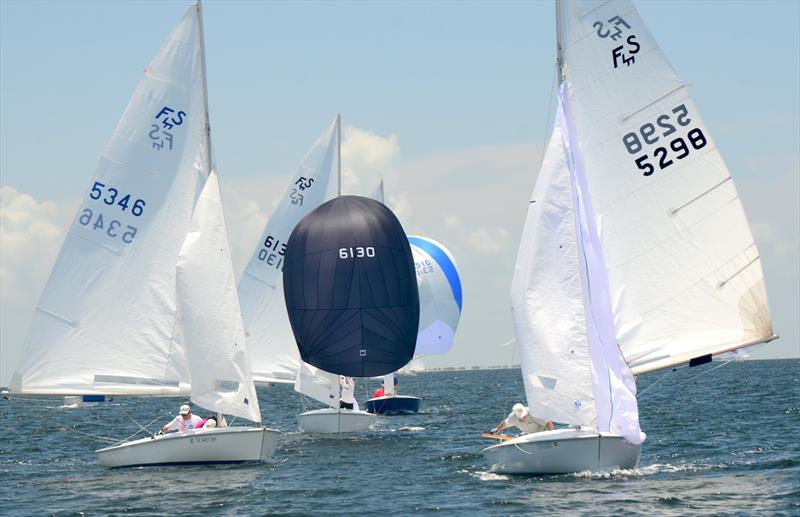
pixel 348 386
pixel 521 417
pixel 184 421
pixel 379 392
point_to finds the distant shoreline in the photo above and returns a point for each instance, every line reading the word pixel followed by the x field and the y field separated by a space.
pixel 517 366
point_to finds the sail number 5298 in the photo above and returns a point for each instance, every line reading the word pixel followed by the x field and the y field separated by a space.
pixel 356 252
pixel 669 151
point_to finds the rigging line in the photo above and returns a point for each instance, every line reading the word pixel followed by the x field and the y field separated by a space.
pixel 690 378
pixel 711 370
pixel 97 438
pixel 141 427
pixel 137 432
pixel 639 395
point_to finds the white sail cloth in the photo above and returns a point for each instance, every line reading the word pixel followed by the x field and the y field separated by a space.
pixel 572 368
pixel 208 311
pixel 684 273
pixel 317 384
pixel 105 320
pixel 440 295
pixel 274 354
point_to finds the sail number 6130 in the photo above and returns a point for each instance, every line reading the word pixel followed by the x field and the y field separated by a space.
pixel 356 252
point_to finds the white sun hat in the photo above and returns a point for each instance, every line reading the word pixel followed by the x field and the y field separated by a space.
pixel 519 411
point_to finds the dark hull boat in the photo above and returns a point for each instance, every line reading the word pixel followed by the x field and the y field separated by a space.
pixel 394 405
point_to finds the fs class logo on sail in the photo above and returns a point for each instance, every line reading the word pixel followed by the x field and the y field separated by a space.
pixel 615 30
pixel 168 119
pixel 300 186
pixel 424 267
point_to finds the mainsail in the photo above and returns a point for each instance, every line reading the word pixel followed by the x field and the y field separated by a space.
pixel 271 342
pixel 104 323
pixel 684 272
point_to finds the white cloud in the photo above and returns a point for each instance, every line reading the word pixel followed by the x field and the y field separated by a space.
pixel 30 237
pixel 364 156
pixel 31 233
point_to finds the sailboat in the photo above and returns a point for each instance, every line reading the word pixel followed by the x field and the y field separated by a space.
pixel 273 351
pixel 326 388
pixel 141 300
pixel 440 300
pixel 352 300
pixel 275 357
pixel 636 254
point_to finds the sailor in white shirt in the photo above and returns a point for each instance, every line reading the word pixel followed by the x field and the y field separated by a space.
pixel 520 417
pixel 348 399
pixel 184 421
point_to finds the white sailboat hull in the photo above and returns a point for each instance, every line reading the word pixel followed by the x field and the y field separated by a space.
pixel 561 452
pixel 330 420
pixel 225 445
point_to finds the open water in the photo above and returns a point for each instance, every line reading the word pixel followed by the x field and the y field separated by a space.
pixel 721 440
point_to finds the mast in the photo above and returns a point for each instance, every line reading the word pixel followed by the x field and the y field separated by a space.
pixel 339 151
pixel 206 122
pixel 559 49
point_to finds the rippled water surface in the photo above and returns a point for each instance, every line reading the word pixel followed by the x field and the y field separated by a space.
pixel 725 440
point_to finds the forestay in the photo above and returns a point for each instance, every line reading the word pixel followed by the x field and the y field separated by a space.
pixel 105 320
pixel 269 334
pixel 209 314
pixel 684 273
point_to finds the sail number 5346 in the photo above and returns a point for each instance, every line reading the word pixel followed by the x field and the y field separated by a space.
pixel 356 252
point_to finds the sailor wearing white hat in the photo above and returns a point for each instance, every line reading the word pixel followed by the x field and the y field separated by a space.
pixel 184 421
pixel 521 417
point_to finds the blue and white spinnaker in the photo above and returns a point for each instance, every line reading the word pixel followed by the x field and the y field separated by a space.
pixel 440 295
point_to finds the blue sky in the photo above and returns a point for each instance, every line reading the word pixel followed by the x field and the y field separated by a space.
pixel 449 99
